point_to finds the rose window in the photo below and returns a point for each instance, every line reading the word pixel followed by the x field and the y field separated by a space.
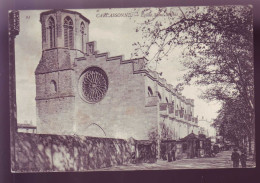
pixel 94 84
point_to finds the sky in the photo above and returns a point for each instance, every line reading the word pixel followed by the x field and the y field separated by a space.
pixel 113 34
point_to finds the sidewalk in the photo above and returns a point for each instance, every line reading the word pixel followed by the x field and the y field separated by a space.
pixel 222 160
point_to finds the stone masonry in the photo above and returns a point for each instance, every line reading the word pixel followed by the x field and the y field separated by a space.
pixel 133 99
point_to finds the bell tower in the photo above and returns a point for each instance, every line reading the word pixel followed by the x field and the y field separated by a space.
pixel 64 37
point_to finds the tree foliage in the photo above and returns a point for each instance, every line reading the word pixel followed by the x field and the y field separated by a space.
pixel 217 45
pixel 233 121
pixel 165 132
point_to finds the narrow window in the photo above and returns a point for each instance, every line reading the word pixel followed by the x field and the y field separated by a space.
pixel 159 95
pixel 166 100
pixel 53 86
pixel 68 32
pixel 51 31
pixel 150 91
pixel 91 48
pixel 82 31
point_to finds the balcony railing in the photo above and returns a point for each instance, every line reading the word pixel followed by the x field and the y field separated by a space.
pixel 163 106
pixel 168 110
pixel 171 108
pixel 151 101
pixel 196 120
pixel 176 112
pixel 181 113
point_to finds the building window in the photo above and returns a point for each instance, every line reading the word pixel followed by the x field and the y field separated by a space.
pixel 53 86
pixel 68 32
pixel 166 100
pixel 82 31
pixel 159 96
pixel 150 91
pixel 93 85
pixel 51 32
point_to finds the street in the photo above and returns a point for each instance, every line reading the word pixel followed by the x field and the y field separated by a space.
pixel 222 160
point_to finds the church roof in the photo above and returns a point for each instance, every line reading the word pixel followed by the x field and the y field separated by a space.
pixel 66 11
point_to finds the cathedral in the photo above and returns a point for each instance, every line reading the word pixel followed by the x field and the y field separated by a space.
pixel 80 91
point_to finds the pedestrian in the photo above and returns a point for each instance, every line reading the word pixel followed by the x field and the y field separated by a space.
pixel 173 155
pixel 169 153
pixel 235 158
pixel 243 159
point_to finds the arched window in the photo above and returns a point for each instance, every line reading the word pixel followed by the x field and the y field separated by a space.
pixel 91 48
pixel 82 31
pixel 68 32
pixel 159 96
pixel 51 32
pixel 150 91
pixel 53 86
pixel 166 100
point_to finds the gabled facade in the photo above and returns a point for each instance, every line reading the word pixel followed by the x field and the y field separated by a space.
pixel 80 91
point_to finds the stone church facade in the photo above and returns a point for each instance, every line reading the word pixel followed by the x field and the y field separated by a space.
pixel 80 91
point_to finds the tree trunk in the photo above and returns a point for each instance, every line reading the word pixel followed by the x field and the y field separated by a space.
pixel 249 145
pixel 254 157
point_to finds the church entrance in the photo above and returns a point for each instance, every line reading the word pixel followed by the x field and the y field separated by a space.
pixel 94 130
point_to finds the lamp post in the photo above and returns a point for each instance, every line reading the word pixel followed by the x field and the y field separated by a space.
pixel 14 29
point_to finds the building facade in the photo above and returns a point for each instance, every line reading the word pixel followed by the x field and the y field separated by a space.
pixel 80 91
pixel 206 127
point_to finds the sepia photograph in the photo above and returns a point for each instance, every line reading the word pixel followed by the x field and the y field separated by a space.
pixel 126 89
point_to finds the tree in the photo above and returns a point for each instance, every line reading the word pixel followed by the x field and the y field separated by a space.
pixel 217 45
pixel 233 122
pixel 165 132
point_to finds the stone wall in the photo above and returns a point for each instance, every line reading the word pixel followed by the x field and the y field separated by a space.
pixel 122 112
pixel 58 110
pixel 45 153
